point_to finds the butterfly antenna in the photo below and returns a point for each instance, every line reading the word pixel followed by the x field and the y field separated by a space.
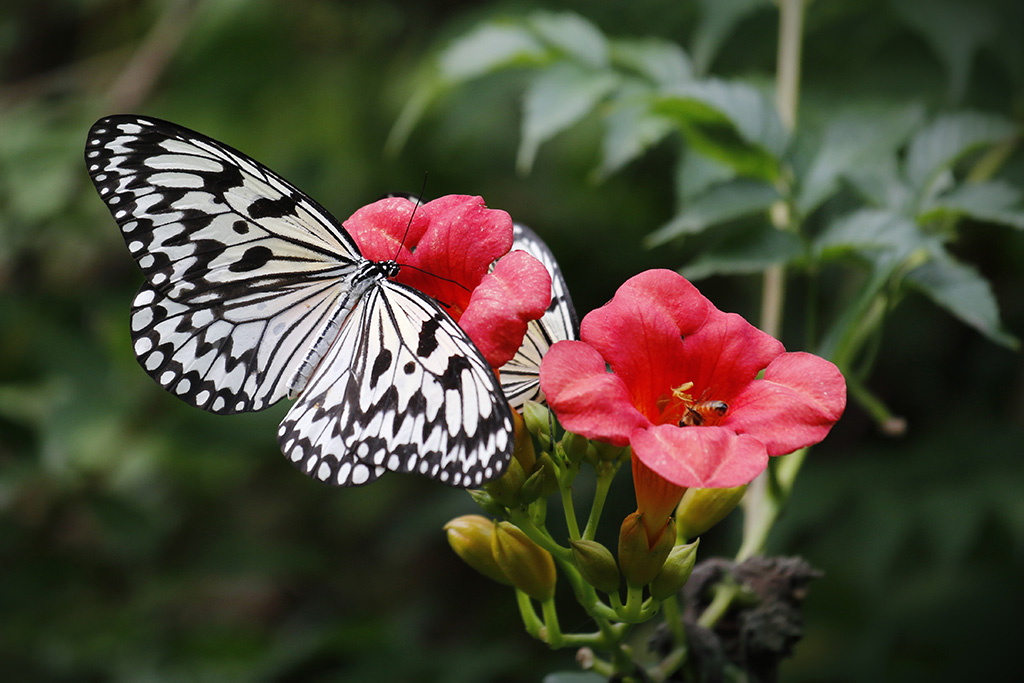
pixel 416 205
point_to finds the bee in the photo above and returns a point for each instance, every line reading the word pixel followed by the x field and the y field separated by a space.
pixel 703 412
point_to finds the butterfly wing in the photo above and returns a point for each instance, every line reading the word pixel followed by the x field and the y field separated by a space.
pixel 402 389
pixel 243 270
pixel 520 377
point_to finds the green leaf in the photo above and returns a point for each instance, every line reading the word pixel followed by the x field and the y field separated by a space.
pixel 955 30
pixel 869 230
pixel 853 142
pixel 662 63
pixel 487 48
pixel 696 172
pixel 718 17
pixel 725 202
pixel 556 99
pixel 962 291
pixel 731 122
pixel 745 253
pixel 994 201
pixel 948 139
pixel 573 35
pixel 630 130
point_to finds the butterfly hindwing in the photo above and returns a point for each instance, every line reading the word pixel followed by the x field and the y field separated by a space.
pixel 520 377
pixel 402 391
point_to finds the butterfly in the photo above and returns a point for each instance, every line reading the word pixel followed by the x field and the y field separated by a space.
pixel 254 292
pixel 520 377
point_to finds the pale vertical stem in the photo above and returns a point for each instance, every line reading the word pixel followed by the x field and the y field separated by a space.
pixel 760 504
pixel 787 67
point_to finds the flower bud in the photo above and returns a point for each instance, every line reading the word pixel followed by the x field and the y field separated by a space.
pixel 529 567
pixel 487 502
pixel 522 450
pixel 596 565
pixel 505 490
pixel 538 420
pixel 575 446
pixel 608 452
pixel 701 509
pixel 676 571
pixel 542 483
pixel 641 558
pixel 470 538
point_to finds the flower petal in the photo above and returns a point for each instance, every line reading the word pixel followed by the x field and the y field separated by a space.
pixel 795 405
pixel 456 250
pixel 517 291
pixel 587 399
pixel 704 457
pixel 656 497
pixel 726 354
pixel 383 229
pixel 640 333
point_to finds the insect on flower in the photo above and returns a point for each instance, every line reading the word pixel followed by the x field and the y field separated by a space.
pixel 254 292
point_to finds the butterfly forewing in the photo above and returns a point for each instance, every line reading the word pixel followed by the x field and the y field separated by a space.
pixel 520 377
pixel 413 400
pixel 253 291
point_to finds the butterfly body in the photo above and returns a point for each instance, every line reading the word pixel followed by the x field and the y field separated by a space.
pixel 254 292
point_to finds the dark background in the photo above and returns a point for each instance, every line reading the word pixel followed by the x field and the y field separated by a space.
pixel 141 539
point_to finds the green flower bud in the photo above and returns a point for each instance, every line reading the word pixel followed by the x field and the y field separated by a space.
pixel 487 502
pixel 701 509
pixel 538 418
pixel 676 571
pixel 596 565
pixel 505 490
pixel 575 446
pixel 641 558
pixel 542 483
pixel 529 567
pixel 609 453
pixel 470 538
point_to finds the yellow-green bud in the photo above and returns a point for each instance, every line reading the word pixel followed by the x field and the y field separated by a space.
pixel 676 571
pixel 487 502
pixel 640 558
pixel 701 509
pixel 596 565
pixel 542 483
pixel 529 567
pixel 538 420
pixel 470 538
pixel 505 490
pixel 575 446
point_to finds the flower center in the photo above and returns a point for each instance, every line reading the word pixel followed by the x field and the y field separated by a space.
pixel 683 409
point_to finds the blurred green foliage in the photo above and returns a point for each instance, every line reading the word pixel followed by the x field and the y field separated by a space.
pixel 141 539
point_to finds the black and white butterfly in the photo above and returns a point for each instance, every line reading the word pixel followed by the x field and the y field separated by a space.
pixel 520 377
pixel 255 292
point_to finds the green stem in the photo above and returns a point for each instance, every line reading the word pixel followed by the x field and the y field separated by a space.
pixel 565 488
pixel 540 536
pixel 725 593
pixel 604 482
pixel 530 620
pixel 773 488
pixel 634 601
pixel 552 629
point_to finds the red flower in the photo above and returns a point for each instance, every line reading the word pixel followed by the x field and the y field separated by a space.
pixel 446 250
pixel 683 389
